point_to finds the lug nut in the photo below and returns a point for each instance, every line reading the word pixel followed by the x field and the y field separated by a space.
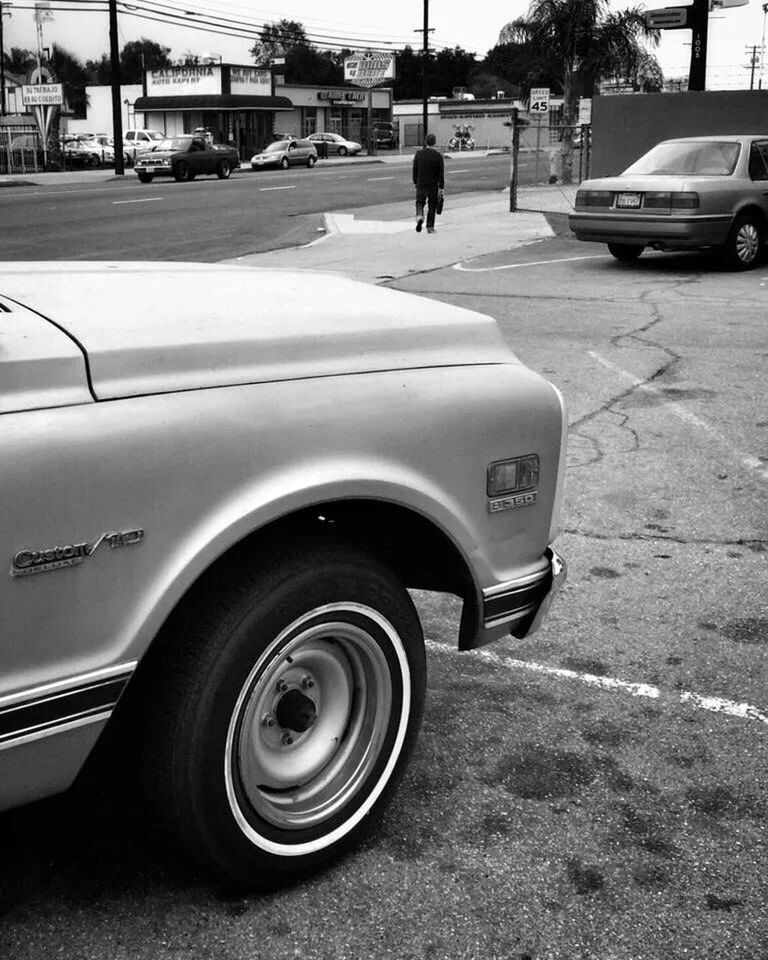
pixel 281 686
pixel 287 739
pixel 267 720
pixel 307 683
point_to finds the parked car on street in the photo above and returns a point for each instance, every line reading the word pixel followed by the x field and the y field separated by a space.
pixel 286 153
pixel 386 134
pixel 211 516
pixel 186 157
pixel 687 193
pixel 334 144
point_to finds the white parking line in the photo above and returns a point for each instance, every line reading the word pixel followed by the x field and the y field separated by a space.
pixel 532 263
pixel 116 203
pixel 744 711
pixel 371 179
pixel 753 464
pixel 267 189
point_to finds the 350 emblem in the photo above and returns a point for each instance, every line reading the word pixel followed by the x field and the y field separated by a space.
pixel 27 562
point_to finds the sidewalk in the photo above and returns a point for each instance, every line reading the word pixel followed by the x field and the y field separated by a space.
pixel 380 243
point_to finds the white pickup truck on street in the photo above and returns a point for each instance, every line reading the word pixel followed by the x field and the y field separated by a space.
pixel 211 516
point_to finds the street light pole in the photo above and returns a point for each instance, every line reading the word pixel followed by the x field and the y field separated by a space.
pixel 762 50
pixel 117 109
pixel 2 60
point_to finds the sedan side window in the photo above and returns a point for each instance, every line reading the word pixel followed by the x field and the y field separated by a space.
pixel 758 160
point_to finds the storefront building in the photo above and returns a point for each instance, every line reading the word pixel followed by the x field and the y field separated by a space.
pixel 236 103
pixel 340 109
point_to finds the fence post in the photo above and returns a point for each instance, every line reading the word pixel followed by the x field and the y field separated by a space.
pixel 513 162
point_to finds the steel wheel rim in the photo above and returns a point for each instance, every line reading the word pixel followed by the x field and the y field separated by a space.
pixel 305 783
pixel 747 242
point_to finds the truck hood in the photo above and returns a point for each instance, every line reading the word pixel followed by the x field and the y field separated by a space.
pixel 149 328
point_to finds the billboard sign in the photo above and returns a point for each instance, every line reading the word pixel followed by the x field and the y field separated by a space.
pixel 369 69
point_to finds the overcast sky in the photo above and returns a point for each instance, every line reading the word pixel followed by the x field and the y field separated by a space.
pixel 475 27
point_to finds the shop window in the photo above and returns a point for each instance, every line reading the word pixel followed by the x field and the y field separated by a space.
pixel 334 122
pixel 309 121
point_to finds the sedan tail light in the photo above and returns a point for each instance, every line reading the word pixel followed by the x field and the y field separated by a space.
pixel 670 201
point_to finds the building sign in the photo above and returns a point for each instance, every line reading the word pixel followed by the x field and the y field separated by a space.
pixel 667 18
pixel 340 95
pixel 250 80
pixel 368 69
pixel 42 95
pixel 184 81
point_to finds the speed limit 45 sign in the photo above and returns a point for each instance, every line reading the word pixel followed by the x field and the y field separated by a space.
pixel 539 101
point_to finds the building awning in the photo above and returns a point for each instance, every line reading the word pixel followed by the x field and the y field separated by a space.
pixel 222 101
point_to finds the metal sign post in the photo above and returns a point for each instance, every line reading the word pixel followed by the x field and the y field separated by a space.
pixel 539 106
pixel 44 98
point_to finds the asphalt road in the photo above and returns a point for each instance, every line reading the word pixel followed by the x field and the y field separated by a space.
pixel 208 219
pixel 597 792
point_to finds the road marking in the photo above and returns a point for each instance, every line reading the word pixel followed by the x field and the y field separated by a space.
pixel 516 266
pixel 267 189
pixel 116 203
pixel 753 464
pixel 371 179
pixel 744 711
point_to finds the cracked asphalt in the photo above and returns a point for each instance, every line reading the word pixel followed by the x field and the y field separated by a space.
pixel 594 792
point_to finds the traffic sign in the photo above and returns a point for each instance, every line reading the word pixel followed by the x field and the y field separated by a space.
pixel 539 100
pixel 667 18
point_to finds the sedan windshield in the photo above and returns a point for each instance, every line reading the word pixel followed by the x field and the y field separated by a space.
pixel 174 143
pixel 277 147
pixel 702 158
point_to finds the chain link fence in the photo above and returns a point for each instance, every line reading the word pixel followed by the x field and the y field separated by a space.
pixel 551 160
pixel 21 149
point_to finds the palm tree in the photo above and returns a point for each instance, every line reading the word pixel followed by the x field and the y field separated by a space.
pixel 578 42
pixel 73 76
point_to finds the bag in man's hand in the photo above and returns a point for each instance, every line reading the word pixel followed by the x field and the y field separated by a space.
pixel 440 199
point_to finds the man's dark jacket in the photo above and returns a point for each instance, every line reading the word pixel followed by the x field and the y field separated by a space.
pixel 428 169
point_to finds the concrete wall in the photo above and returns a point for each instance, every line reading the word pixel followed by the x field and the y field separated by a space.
pixel 626 126
pixel 99 110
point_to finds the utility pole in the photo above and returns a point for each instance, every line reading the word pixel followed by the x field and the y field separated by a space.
pixel 699 24
pixel 425 30
pixel 754 59
pixel 2 60
pixel 117 109
pixel 762 50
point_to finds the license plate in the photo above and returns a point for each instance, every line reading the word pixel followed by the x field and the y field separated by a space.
pixel 147 169
pixel 628 200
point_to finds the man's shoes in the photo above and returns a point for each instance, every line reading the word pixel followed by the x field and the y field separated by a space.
pixel 419 224
pixel 431 230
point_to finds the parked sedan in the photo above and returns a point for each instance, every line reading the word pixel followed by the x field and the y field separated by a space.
pixel 688 193
pixel 185 157
pixel 334 143
pixel 285 153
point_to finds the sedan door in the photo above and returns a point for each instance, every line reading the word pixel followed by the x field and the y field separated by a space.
pixel 758 170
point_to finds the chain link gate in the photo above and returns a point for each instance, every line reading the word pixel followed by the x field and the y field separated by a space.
pixel 550 161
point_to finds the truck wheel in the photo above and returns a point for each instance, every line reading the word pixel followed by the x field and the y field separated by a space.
pixel 625 251
pixel 223 170
pixel 181 171
pixel 744 243
pixel 145 177
pixel 287 706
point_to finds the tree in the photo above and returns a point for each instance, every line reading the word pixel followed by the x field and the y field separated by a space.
pixel 140 55
pixel 73 76
pixel 582 41
pixel 276 39
pixel 18 61
pixel 100 71
pixel 305 64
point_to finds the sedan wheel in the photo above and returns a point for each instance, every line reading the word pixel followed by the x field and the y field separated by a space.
pixel 342 151
pixel 625 251
pixel 223 170
pixel 284 163
pixel 744 243
pixel 311 162
pixel 285 712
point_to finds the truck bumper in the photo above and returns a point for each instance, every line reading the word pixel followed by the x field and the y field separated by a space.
pixel 519 606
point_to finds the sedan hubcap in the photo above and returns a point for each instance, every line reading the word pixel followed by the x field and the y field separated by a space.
pixel 747 242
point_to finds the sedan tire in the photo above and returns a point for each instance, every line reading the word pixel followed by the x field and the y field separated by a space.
pixel 224 170
pixel 342 151
pixel 745 242
pixel 625 251
pixel 284 163
pixel 286 699
pixel 311 162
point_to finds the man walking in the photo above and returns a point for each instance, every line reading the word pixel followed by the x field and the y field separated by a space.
pixel 429 180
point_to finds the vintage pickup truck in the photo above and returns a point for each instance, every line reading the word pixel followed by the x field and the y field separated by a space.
pixel 211 516
pixel 186 157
